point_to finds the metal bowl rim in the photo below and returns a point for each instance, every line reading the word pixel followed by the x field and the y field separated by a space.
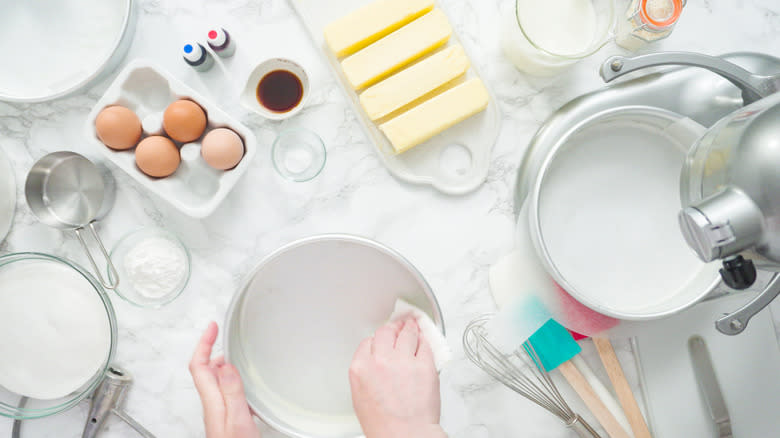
pixel 112 321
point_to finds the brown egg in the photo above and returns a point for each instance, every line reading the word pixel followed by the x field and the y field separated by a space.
pixel 184 121
pixel 157 156
pixel 118 127
pixel 222 149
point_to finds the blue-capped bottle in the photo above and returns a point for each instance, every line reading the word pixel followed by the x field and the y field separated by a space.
pixel 197 57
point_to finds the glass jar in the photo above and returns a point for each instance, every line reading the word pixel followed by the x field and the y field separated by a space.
pixel 646 21
pixel 544 38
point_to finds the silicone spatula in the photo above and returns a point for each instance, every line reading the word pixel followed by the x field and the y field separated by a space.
pixel 556 348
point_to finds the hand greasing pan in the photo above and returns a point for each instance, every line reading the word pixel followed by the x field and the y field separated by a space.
pixel 294 326
pixel 67 191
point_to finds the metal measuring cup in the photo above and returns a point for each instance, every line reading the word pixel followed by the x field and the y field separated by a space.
pixel 67 191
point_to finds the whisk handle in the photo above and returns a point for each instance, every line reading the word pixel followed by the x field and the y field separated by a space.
pixel 582 428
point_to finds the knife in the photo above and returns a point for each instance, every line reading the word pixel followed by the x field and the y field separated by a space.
pixel 708 384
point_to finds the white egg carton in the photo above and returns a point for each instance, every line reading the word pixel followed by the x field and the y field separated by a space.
pixel 454 162
pixel 195 188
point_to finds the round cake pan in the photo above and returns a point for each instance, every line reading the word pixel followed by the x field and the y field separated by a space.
pixel 293 328
pixel 603 215
pixel 50 40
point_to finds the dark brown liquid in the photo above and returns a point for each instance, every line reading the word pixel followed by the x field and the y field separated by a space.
pixel 280 91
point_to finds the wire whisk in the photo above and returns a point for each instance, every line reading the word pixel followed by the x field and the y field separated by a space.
pixel 523 373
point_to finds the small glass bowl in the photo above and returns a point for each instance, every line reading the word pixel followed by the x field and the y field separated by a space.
pixel 298 154
pixel 126 289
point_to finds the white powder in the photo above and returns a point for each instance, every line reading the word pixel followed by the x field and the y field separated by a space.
pixel 49 46
pixel 55 329
pixel 155 267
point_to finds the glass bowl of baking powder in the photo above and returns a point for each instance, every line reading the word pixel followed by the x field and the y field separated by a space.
pixel 153 266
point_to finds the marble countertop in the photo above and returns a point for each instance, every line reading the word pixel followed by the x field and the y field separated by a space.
pixel 452 240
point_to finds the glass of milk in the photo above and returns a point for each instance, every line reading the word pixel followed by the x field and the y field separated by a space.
pixel 544 37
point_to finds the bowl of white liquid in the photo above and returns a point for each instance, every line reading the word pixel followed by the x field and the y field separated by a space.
pixel 59 335
pixel 602 215
pixel 544 37
pixel 298 154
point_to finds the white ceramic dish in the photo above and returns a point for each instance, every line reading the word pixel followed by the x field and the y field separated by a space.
pixel 249 95
pixel 7 195
pixel 195 188
pixel 454 162
pixel 603 215
pixel 293 328
pixel 59 47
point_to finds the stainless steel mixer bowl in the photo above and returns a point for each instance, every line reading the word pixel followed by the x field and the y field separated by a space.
pixel 304 273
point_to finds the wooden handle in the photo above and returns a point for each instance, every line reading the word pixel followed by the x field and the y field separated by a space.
pixel 622 388
pixel 592 401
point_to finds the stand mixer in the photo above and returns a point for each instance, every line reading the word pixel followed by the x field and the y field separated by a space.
pixel 730 185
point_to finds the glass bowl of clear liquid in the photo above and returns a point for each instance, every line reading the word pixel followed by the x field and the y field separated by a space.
pixel 298 154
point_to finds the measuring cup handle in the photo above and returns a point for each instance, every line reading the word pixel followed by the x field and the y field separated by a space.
pixel 114 280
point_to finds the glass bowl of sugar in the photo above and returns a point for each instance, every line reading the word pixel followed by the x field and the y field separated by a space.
pixel 153 266
pixel 59 335
pixel 298 154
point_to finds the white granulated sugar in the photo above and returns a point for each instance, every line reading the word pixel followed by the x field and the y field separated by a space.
pixel 55 329
pixel 51 45
pixel 155 267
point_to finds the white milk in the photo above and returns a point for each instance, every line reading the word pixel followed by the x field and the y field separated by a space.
pixel 563 27
pixel 609 218
pixel 56 332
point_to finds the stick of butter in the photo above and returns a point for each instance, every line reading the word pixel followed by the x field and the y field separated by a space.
pixel 415 82
pixel 434 116
pixel 398 49
pixel 368 24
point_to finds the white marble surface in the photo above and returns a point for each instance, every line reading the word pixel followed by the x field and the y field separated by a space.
pixel 452 240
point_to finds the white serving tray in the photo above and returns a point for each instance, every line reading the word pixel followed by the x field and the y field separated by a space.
pixel 454 162
pixel 195 188
pixel 746 366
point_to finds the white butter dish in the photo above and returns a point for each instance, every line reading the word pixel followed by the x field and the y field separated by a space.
pixel 455 161
pixel 195 189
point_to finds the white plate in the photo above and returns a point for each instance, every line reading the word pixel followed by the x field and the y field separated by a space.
pixel 58 46
pixel 603 215
pixel 7 195
pixel 457 160
pixel 195 188
pixel 293 328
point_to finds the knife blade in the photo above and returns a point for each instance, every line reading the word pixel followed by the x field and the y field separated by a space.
pixel 709 386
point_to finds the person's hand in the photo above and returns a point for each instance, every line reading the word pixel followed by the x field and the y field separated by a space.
pixel 395 386
pixel 225 410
